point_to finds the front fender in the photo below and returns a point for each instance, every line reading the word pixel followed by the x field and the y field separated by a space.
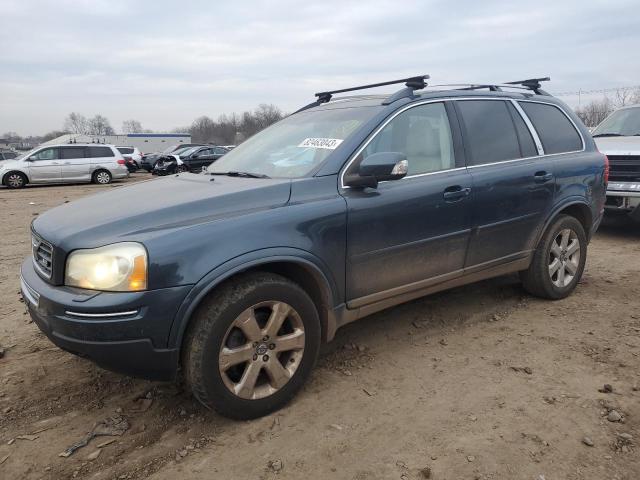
pixel 242 263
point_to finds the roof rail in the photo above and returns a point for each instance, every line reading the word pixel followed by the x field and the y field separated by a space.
pixel 412 83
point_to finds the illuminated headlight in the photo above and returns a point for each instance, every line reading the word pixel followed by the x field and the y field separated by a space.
pixel 121 267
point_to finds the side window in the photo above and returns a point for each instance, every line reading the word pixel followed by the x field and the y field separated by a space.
pixel 490 131
pixel 46 154
pixel 9 155
pixel 219 151
pixel 527 146
pixel 99 152
pixel 72 152
pixel 423 134
pixel 556 132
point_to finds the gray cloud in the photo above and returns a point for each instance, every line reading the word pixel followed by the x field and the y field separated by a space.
pixel 165 63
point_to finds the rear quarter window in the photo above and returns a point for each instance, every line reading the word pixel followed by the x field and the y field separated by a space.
pixel 125 150
pixel 98 152
pixel 556 132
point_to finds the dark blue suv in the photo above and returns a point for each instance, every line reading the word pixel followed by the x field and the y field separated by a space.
pixel 349 206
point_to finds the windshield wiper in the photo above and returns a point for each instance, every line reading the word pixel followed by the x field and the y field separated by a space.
pixel 240 174
pixel 607 135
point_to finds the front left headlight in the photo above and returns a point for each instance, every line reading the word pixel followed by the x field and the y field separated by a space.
pixel 120 267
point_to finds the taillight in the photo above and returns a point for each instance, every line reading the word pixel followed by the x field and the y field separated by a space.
pixel 606 169
pixel 121 161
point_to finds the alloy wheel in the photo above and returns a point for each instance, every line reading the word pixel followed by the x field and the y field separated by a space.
pixel 564 258
pixel 262 350
pixel 103 178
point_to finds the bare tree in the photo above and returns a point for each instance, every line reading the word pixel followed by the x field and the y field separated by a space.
pixel 99 125
pixel 76 123
pixel 595 111
pixel 132 126
pixel 202 129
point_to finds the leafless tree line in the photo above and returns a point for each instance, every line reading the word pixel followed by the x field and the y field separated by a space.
pixel 232 129
pixel 595 111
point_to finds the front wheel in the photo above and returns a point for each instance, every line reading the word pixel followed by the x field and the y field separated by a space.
pixel 15 180
pixel 252 345
pixel 559 260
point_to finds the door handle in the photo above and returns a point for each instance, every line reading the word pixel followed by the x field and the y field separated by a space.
pixel 456 193
pixel 542 177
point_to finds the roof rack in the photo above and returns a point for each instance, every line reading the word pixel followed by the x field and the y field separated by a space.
pixel 418 82
pixel 532 84
pixel 411 83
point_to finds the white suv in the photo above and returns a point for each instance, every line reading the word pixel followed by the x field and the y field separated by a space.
pixel 70 163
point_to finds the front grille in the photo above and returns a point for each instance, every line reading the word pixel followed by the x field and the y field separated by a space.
pixel 624 168
pixel 42 255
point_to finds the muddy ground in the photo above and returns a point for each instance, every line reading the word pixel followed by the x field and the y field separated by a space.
pixel 481 382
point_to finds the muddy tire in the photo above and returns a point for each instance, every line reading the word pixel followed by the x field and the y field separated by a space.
pixel 251 346
pixel 558 261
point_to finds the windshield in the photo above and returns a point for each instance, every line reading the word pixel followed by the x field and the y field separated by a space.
pixel 295 146
pixel 625 122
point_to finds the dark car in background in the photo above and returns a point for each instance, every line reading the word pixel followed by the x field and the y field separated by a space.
pixel 8 155
pixel 347 207
pixel 148 161
pixel 193 159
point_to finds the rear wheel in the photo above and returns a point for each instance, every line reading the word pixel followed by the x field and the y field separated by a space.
pixel 102 177
pixel 252 346
pixel 15 180
pixel 559 260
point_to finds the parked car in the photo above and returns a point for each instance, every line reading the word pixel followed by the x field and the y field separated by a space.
pixel 132 157
pixel 340 210
pixel 149 161
pixel 8 155
pixel 618 136
pixel 73 163
pixel 190 160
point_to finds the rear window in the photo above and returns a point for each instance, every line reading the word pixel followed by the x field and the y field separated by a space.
pixel 490 132
pixel 556 132
pixel 97 152
pixel 72 152
pixel 125 150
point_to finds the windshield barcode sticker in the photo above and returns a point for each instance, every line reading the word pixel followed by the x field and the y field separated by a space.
pixel 328 143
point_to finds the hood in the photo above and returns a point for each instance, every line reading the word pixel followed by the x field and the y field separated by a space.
pixel 8 164
pixel 618 145
pixel 141 210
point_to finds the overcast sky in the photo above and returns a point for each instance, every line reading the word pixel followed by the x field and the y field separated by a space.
pixel 166 62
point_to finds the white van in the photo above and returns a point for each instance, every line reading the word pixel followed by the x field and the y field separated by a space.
pixel 70 163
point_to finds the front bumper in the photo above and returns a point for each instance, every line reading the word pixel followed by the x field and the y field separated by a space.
pixel 124 332
pixel 624 197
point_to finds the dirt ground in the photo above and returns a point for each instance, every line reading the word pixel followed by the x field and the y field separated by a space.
pixel 481 382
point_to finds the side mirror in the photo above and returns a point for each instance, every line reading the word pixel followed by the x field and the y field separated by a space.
pixel 379 167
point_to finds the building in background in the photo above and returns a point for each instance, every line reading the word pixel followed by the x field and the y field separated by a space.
pixel 146 142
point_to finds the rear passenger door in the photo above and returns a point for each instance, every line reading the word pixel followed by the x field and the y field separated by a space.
pixel 513 186
pixel 74 164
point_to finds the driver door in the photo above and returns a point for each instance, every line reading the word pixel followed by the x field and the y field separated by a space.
pixel 44 166
pixel 411 233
